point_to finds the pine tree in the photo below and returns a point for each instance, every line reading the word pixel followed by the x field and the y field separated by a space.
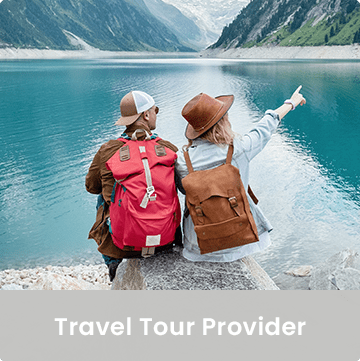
pixel 326 38
pixel 357 37
pixel 342 18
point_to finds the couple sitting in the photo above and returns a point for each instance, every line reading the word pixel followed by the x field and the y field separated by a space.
pixel 138 212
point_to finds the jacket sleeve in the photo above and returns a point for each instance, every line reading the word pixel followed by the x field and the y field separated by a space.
pixel 107 178
pixel 93 179
pixel 99 179
pixel 254 141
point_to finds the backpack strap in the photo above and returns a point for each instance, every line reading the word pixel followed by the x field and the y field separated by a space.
pixel 150 188
pixel 230 153
pixel 190 168
pixel 134 135
pixel 252 195
pixel 231 195
pixel 125 155
pixel 187 160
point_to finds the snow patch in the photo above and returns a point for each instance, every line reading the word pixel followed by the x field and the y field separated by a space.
pixel 76 41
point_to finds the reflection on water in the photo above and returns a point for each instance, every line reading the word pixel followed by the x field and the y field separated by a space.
pixel 54 115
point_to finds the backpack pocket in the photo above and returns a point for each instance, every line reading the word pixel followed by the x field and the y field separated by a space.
pixel 231 233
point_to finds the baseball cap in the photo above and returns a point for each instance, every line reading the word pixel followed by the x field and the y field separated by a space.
pixel 132 105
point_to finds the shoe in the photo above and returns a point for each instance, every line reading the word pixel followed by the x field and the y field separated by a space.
pixel 112 269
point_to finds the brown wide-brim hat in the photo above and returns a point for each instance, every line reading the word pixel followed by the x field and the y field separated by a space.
pixel 203 111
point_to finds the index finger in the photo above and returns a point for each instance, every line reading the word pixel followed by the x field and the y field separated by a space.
pixel 298 89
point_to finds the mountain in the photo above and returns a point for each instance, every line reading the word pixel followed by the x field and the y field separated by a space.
pixel 119 25
pixel 293 23
pixel 209 15
pixel 184 28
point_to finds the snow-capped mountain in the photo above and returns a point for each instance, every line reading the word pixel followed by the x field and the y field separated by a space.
pixel 211 16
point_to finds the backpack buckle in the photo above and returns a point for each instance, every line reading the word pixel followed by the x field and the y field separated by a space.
pixel 233 202
pixel 147 251
pixel 148 197
pixel 150 190
pixel 199 211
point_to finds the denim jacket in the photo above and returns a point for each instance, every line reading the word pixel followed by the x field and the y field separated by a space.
pixel 206 155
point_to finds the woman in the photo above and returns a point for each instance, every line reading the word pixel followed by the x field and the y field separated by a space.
pixel 209 133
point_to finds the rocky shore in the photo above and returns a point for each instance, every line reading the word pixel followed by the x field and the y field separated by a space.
pixel 286 52
pixel 339 272
pixel 172 271
pixel 270 52
pixel 80 277
pixel 90 53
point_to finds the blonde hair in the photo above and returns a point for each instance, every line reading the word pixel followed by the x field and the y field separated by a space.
pixel 220 133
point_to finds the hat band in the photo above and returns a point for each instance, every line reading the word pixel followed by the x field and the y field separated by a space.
pixel 204 126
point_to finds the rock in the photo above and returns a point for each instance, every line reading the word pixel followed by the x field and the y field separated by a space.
pixel 11 287
pixel 347 279
pixel 339 272
pixel 290 282
pixel 294 279
pixel 301 271
pixel 327 275
pixel 26 278
pixel 170 271
pixel 53 281
pixel 356 263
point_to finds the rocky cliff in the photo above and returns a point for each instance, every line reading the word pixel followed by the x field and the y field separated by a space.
pixel 293 23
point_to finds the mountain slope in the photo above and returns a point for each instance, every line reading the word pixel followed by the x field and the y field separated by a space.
pixel 293 23
pixel 105 24
pixel 209 15
pixel 184 28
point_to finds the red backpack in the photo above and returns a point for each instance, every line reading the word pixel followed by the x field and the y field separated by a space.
pixel 144 209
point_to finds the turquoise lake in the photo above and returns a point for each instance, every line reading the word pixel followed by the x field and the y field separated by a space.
pixel 55 114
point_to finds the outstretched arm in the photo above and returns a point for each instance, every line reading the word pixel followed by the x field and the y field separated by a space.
pixel 296 99
pixel 254 141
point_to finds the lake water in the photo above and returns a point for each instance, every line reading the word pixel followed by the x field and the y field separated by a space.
pixel 55 114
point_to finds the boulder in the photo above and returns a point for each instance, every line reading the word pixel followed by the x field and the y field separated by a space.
pixel 331 274
pixel 287 281
pixel 339 272
pixel 347 279
pixel 170 271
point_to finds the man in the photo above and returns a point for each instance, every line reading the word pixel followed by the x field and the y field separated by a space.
pixel 139 115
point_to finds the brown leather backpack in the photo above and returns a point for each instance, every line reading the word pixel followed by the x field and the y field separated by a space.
pixel 218 206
